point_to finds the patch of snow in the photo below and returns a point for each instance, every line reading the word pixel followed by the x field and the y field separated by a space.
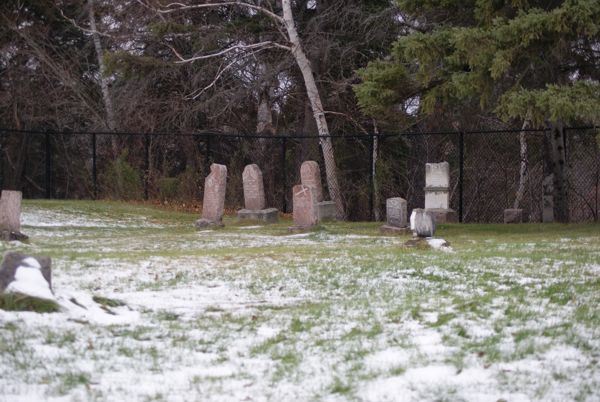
pixel 30 281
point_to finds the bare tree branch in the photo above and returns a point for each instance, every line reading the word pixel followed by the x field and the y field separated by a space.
pixel 175 7
pixel 260 45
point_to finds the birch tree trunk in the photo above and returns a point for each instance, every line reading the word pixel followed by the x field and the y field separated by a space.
pixel 559 169
pixel 524 166
pixel 111 121
pixel 317 108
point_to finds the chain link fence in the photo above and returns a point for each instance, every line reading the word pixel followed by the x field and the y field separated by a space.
pixel 484 168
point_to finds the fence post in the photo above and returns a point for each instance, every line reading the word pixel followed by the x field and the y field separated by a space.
pixel 207 155
pixel 48 157
pixel 371 174
pixel 146 164
pixel 94 169
pixel 284 174
pixel 461 166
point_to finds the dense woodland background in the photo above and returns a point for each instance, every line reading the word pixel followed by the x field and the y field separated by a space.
pixel 233 67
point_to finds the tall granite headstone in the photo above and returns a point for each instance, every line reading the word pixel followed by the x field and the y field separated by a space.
pixel 305 207
pixel 396 216
pixel 213 205
pixel 437 192
pixel 254 197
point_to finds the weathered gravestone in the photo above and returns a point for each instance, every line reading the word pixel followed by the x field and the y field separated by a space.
pixel 28 279
pixel 437 192
pixel 422 223
pixel 396 216
pixel 10 216
pixel 310 176
pixel 305 207
pixel 254 197
pixel 213 205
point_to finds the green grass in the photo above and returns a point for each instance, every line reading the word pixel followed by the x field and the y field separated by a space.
pixel 270 310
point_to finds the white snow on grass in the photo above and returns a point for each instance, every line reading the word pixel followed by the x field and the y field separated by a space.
pixel 232 314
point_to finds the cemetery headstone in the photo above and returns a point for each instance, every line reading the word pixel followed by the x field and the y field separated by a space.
pixel 254 197
pixel 310 175
pixel 213 205
pixel 10 215
pixel 254 192
pixel 422 223
pixel 305 207
pixel 29 278
pixel 396 216
pixel 437 192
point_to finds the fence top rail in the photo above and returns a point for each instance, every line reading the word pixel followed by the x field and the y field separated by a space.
pixel 216 134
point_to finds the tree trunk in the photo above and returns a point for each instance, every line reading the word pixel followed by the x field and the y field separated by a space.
pixel 558 163
pixel 111 121
pixel 10 211
pixel 317 108
pixel 376 210
pixel 523 171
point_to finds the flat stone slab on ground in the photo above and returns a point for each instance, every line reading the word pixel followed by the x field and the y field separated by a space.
pixel 269 215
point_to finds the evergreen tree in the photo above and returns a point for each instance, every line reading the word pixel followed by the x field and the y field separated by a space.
pixel 520 59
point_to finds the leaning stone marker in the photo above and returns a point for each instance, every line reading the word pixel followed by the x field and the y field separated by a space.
pixel 305 207
pixel 254 197
pixel 396 216
pixel 213 204
pixel 26 283
pixel 422 223
pixel 310 175
pixel 10 215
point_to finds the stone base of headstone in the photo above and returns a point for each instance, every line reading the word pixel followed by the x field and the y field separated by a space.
pixel 443 215
pixel 394 230
pixel 326 210
pixel 269 215
pixel 207 224
pixel 10 235
pixel 512 215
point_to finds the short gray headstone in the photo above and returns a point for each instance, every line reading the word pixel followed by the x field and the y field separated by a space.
pixel 396 212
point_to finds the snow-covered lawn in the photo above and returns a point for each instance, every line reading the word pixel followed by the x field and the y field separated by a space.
pixel 342 313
